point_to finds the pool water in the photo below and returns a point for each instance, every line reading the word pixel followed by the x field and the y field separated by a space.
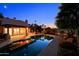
pixel 34 48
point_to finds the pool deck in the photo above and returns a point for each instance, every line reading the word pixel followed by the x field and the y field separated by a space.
pixel 52 48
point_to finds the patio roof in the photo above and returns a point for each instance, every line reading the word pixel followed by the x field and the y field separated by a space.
pixel 13 22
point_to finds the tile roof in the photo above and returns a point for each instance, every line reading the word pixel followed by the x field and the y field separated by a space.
pixel 7 21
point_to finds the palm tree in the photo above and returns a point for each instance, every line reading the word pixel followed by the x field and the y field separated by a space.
pixel 35 28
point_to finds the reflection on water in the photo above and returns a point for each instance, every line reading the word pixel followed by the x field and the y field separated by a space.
pixel 29 47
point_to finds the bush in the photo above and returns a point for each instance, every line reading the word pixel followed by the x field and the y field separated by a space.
pixel 68 45
pixel 68 49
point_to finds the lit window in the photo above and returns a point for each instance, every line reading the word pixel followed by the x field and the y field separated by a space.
pixel 22 31
pixel 5 30
pixel 17 30
pixel 10 31
pixel 14 31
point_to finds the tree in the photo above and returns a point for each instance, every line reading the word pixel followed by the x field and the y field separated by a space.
pixel 1 15
pixel 35 28
pixel 48 30
pixel 14 18
pixel 68 17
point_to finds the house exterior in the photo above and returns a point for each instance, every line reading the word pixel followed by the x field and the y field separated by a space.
pixel 13 27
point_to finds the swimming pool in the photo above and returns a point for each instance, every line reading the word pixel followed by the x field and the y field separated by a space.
pixel 29 47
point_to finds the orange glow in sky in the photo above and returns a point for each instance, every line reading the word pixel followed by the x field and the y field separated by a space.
pixel 52 26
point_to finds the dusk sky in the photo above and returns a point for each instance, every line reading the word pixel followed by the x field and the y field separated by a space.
pixel 43 13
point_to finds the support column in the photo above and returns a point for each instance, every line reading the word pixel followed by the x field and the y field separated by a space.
pixel 7 30
pixel 26 31
pixel 19 31
pixel 12 31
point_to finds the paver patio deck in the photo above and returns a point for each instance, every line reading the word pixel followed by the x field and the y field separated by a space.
pixel 52 48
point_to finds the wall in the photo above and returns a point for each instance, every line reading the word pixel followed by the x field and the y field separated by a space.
pixel 1 29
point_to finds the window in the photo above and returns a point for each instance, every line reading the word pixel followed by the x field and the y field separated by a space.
pixel 22 31
pixel 16 31
pixel 5 30
pixel 10 31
